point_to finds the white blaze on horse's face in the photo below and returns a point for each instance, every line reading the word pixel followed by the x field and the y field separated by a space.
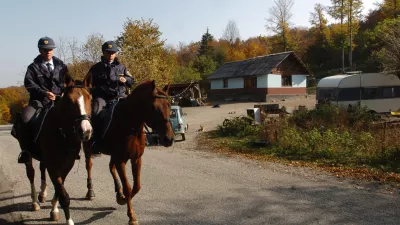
pixel 85 124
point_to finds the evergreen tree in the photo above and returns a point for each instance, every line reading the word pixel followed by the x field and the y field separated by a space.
pixel 205 48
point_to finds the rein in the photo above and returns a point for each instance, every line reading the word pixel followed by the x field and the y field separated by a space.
pixel 79 119
pixel 160 96
pixel 137 130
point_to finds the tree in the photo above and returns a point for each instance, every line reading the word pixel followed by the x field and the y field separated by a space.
pixel 391 8
pixel 5 115
pixel 91 49
pixel 62 49
pixel 143 53
pixel 349 12
pixel 187 53
pixel 256 46
pixel 231 32
pixel 12 100
pixel 205 65
pixel 338 11
pixel 318 20
pixel 354 8
pixel 74 49
pixel 205 47
pixel 389 32
pixel 186 74
pixel 279 19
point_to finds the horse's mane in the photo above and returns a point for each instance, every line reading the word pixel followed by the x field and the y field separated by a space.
pixel 147 85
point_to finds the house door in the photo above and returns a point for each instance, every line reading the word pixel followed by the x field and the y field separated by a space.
pixel 250 83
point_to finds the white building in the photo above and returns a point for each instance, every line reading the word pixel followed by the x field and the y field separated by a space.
pixel 275 74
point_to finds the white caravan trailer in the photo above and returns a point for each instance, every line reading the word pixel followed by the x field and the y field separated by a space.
pixel 378 92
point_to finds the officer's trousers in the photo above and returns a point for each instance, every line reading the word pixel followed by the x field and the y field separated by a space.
pixel 99 103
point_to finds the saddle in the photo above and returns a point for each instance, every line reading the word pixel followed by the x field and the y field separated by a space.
pixel 37 121
pixel 31 130
pixel 35 124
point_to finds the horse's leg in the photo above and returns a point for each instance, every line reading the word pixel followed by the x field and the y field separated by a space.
pixel 86 148
pixel 63 197
pixel 43 186
pixel 121 200
pixel 55 213
pixel 127 191
pixel 136 167
pixel 30 172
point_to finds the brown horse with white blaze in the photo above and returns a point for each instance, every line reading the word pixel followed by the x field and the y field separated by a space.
pixel 125 139
pixel 67 124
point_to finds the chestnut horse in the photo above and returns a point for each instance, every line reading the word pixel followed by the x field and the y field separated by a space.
pixel 67 124
pixel 125 140
pixel 30 171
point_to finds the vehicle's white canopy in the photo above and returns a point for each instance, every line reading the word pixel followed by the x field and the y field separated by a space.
pixel 366 80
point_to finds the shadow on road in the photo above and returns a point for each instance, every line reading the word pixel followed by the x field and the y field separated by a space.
pixel 284 205
pixel 5 222
pixel 13 197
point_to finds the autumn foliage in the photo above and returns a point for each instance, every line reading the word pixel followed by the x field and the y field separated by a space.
pixel 12 100
pixel 324 47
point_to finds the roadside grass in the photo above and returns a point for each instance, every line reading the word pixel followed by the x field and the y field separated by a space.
pixel 346 143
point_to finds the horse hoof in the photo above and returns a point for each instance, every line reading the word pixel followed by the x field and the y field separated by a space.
pixel 70 222
pixel 90 195
pixel 35 206
pixel 54 216
pixel 133 222
pixel 121 200
pixel 42 199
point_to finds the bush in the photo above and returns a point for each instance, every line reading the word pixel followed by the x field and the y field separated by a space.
pixel 238 127
pixel 328 134
pixel 333 117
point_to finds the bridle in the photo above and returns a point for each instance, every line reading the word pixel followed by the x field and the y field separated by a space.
pixel 161 96
pixel 77 120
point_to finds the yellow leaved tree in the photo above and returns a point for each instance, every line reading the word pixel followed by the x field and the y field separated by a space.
pixel 142 51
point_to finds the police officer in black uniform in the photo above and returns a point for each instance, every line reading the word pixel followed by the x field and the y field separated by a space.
pixel 109 79
pixel 44 80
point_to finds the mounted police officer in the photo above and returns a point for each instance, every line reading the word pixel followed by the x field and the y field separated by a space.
pixel 109 79
pixel 44 80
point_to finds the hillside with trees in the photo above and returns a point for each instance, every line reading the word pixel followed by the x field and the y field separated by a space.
pixel 351 41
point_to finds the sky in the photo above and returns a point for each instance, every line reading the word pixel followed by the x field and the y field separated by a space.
pixel 24 22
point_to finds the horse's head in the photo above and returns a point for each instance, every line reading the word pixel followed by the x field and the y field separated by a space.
pixel 157 110
pixel 75 106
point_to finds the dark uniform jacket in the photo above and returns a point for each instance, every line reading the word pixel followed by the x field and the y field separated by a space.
pixel 104 78
pixel 38 80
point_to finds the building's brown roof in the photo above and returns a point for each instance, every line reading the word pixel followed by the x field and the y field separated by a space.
pixel 252 67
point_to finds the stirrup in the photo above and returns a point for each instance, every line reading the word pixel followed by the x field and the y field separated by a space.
pixel 96 154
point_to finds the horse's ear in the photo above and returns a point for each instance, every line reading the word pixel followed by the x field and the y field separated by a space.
pixel 68 80
pixel 166 88
pixel 153 85
pixel 87 81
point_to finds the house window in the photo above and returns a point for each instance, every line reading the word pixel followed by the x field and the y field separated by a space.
pixel 225 83
pixel 286 81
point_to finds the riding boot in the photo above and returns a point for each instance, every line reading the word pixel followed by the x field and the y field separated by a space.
pixel 95 148
pixel 24 139
pixel 95 138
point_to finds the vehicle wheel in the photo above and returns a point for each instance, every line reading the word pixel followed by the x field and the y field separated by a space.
pixel 183 137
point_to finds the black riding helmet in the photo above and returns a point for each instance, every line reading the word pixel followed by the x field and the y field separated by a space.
pixel 46 43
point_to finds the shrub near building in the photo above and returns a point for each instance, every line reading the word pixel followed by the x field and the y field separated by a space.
pixel 327 134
